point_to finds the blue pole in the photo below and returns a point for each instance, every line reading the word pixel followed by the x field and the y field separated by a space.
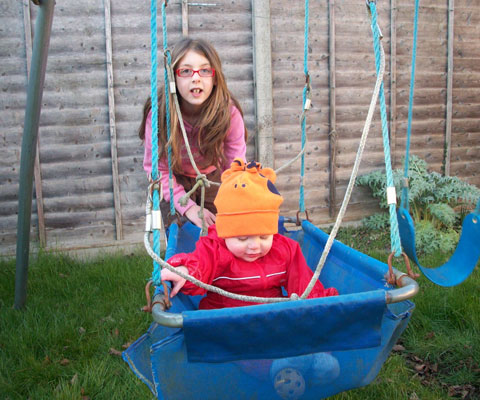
pixel 41 41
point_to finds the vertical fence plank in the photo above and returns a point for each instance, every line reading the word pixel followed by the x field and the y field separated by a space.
pixel 393 80
pixel 262 59
pixel 113 133
pixel 185 18
pixel 332 116
pixel 448 122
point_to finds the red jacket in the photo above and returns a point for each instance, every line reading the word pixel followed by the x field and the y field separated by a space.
pixel 212 263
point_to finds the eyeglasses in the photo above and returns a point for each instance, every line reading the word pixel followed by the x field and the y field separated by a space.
pixel 189 72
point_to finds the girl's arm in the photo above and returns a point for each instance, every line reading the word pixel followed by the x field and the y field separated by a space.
pixel 178 190
pixel 234 144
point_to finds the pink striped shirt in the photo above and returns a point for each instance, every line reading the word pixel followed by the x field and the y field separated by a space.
pixel 233 146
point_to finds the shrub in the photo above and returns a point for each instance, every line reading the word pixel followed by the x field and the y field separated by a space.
pixel 437 204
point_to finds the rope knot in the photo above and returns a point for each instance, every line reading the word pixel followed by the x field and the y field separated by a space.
pixel 202 180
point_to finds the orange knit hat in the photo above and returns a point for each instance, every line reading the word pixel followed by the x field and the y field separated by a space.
pixel 247 202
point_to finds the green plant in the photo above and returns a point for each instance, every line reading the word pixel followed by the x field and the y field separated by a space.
pixel 437 204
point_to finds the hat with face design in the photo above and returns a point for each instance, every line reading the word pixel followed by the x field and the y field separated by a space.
pixel 248 203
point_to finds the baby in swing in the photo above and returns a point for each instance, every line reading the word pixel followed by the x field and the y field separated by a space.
pixel 243 252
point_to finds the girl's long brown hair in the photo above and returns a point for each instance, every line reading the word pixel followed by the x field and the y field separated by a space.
pixel 214 122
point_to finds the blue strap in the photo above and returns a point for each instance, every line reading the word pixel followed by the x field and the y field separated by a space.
pixel 463 260
pixel 404 202
pixel 394 234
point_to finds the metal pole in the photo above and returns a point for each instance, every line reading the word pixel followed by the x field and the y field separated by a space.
pixel 41 40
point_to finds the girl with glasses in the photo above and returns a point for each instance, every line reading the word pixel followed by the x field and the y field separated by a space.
pixel 213 122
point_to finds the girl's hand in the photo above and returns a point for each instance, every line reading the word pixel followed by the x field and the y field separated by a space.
pixel 192 215
pixel 176 280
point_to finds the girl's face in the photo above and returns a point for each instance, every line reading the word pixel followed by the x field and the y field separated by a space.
pixel 196 89
pixel 249 248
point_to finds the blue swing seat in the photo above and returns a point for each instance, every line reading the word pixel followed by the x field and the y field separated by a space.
pixel 307 349
pixel 464 259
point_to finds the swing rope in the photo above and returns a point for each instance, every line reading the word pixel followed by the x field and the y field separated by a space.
pixel 391 195
pixel 404 202
pixel 307 101
pixel 380 73
pixel 154 173
pixel 306 89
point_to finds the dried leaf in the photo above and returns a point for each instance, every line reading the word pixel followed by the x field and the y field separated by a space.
pixel 420 367
pixel 116 332
pixel 64 361
pixel 74 380
pixel 115 352
pixel 430 335
pixel 126 345
pixel 82 330
pixel 398 347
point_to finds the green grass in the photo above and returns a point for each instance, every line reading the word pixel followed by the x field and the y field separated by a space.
pixel 59 346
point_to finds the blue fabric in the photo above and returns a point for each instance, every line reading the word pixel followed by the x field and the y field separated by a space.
pixel 464 259
pixel 286 329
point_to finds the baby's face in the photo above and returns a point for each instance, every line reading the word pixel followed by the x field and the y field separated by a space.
pixel 249 248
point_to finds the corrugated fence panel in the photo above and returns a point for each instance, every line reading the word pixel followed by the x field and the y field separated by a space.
pixel 355 80
pixel 429 102
pixel 131 61
pixel 75 138
pixel 287 20
pixel 465 159
pixel 13 83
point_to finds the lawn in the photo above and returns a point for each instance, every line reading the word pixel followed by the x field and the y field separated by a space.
pixel 81 315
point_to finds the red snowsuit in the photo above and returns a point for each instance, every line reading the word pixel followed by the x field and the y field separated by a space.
pixel 213 263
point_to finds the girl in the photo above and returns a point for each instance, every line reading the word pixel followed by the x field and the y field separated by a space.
pixel 213 122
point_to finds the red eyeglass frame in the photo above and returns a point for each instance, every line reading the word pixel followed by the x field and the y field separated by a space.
pixel 177 71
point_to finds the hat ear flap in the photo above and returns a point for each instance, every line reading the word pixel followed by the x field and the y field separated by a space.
pixel 237 165
pixel 269 174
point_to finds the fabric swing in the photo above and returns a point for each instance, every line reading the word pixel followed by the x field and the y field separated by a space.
pixel 242 348
pixel 467 254
pixel 307 349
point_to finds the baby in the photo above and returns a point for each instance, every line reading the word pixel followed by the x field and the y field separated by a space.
pixel 243 252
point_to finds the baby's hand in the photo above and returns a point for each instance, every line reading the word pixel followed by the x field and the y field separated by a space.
pixel 177 280
pixel 192 215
